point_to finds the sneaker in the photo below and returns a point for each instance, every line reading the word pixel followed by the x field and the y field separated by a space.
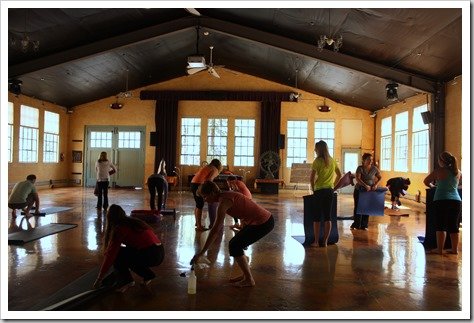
pixel 396 208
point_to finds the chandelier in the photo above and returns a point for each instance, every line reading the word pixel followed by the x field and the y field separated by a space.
pixel 331 40
pixel 25 43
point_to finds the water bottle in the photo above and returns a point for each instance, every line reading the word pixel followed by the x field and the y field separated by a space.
pixel 192 282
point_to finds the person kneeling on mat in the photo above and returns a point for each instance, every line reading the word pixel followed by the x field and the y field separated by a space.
pixel 143 249
pixel 259 222
pixel 24 196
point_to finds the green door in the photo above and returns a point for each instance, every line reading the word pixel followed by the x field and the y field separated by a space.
pixel 125 147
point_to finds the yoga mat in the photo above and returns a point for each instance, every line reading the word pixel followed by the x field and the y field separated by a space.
pixel 346 180
pixel 310 203
pixel 50 210
pixel 372 202
pixel 76 292
pixel 21 237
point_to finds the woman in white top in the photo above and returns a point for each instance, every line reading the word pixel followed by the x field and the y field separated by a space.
pixel 103 168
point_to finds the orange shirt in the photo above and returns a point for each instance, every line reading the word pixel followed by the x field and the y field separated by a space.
pixel 245 209
pixel 206 173
pixel 242 188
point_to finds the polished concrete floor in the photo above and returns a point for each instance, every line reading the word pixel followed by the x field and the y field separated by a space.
pixel 380 270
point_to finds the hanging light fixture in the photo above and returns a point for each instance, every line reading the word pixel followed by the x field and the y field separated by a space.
pixel 330 40
pixel 25 43
pixel 392 94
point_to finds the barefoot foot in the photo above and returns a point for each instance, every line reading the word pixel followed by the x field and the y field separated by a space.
pixel 236 279
pixel 245 283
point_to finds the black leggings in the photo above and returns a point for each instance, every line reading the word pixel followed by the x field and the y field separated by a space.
pixel 138 261
pixel 103 187
pixel 198 199
pixel 248 235
pixel 448 213
pixel 360 220
pixel 323 199
pixel 157 185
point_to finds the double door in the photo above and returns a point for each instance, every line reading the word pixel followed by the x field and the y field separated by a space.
pixel 125 147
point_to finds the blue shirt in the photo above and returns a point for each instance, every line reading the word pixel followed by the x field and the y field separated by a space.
pixel 447 189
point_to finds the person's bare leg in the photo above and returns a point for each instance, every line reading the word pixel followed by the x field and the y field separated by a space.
pixel 247 280
pixel 327 230
pixel 440 239
pixel 317 227
pixel 454 242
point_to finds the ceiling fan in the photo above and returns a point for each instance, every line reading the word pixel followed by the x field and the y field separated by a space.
pixel 195 67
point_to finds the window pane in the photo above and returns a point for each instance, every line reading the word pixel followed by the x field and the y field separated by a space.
pixel 51 148
pixel 28 145
pixel 386 153
pixel 101 139
pixel 297 138
pixel 10 131
pixel 401 121
pixel 386 126
pixel 420 151
pixel 129 139
pixel 244 142
pixel 29 116
pixel 51 122
pixel 324 130
pixel 190 141
pixel 217 140
pixel 418 123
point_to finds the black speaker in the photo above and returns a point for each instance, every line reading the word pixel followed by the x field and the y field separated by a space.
pixel 427 117
pixel 281 141
pixel 153 139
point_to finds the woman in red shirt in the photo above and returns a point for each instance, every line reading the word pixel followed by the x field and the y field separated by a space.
pixel 142 249
pixel 258 223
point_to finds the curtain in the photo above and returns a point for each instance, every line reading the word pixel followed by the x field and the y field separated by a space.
pixel 270 128
pixel 166 121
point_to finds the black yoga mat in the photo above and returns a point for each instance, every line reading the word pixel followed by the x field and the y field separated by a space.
pixel 50 210
pixel 75 293
pixel 21 237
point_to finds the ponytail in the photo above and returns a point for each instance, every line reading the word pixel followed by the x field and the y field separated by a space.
pixel 450 162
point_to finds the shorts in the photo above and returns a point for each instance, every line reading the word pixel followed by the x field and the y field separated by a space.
pixel 198 199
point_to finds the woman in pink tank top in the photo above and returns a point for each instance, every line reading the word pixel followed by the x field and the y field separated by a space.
pixel 259 222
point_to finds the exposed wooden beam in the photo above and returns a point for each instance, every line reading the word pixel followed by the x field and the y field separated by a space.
pixel 310 50
pixel 101 46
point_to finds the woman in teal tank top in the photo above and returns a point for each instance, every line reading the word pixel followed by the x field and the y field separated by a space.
pixel 447 202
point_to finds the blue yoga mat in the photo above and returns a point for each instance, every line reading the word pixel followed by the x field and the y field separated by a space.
pixel 372 202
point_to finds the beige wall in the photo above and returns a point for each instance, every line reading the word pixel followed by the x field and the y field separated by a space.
pixel 43 171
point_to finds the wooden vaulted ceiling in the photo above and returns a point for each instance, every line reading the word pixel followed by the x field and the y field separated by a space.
pixel 84 53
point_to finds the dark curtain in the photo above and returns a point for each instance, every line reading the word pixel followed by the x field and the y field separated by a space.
pixel 270 128
pixel 166 121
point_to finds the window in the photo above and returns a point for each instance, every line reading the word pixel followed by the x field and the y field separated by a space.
pixel 129 139
pixel 51 137
pixel 244 142
pixel 386 144
pixel 420 142
pixel 190 141
pixel 101 139
pixel 297 141
pixel 217 140
pixel 28 150
pixel 324 130
pixel 10 132
pixel 401 142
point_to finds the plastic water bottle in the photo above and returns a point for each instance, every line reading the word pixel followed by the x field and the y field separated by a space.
pixel 192 282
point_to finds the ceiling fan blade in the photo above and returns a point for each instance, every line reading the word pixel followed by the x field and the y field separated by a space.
pixel 193 11
pixel 213 72
pixel 194 70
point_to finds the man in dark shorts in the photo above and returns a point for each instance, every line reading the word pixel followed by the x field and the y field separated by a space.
pixel 24 196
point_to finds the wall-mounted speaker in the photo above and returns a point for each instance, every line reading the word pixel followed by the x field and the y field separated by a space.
pixel 427 117
pixel 153 139
pixel 281 141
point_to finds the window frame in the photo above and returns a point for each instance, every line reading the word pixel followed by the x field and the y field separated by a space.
pixel 195 135
pixel 291 138
pixel 239 154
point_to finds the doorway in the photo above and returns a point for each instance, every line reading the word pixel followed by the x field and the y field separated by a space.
pixel 125 147
pixel 350 162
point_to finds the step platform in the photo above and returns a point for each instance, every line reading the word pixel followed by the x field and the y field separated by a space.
pixel 152 216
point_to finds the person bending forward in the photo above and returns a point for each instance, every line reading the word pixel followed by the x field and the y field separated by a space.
pixel 259 222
